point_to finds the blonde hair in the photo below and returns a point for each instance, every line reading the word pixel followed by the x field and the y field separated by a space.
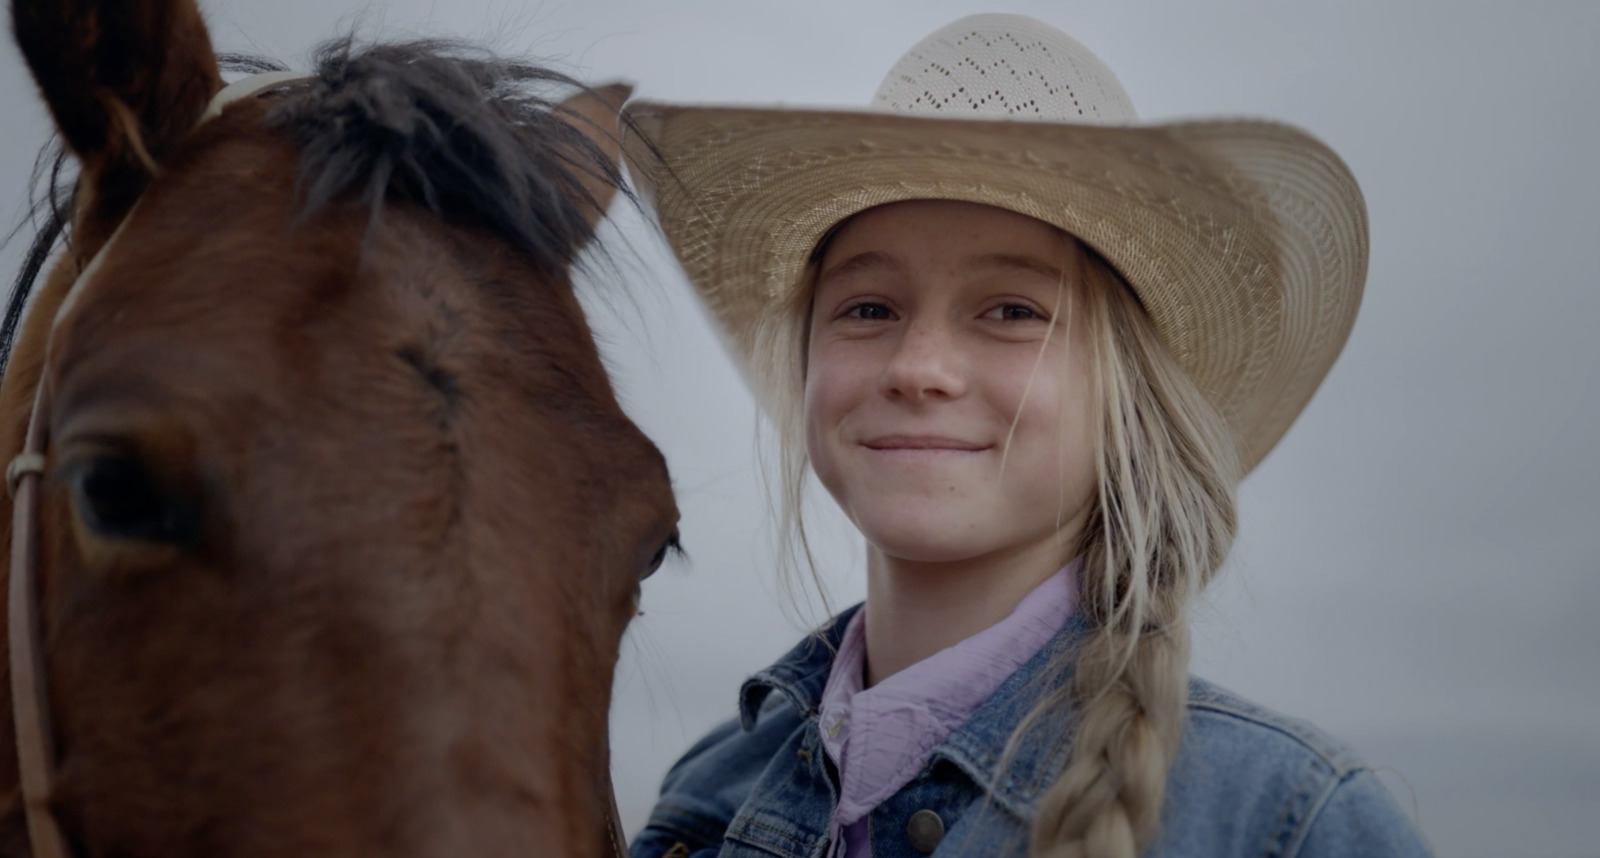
pixel 1162 523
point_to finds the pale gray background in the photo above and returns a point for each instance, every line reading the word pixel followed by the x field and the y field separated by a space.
pixel 1416 570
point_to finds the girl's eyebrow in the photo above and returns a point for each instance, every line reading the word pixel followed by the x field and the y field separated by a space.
pixel 877 260
pixel 1004 261
pixel 866 261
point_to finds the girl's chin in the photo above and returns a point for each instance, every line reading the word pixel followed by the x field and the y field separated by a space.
pixel 927 542
pixel 953 535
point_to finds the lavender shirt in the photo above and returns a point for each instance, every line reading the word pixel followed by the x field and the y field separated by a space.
pixel 879 738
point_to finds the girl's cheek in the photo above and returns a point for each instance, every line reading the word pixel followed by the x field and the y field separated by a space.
pixel 1013 372
pixel 835 373
pixel 826 390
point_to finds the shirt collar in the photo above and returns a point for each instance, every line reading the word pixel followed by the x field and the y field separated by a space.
pixel 977 746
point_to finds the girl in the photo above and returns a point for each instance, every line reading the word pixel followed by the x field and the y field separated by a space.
pixel 1030 347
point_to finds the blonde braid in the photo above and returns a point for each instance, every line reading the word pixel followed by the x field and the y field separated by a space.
pixel 1163 524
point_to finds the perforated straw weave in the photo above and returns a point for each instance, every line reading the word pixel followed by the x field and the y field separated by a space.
pixel 1245 240
pixel 1005 67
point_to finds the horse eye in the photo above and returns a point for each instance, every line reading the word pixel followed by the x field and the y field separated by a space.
pixel 671 546
pixel 116 497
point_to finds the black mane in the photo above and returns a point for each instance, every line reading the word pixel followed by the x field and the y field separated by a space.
pixel 476 138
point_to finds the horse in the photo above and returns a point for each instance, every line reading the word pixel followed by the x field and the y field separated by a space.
pixel 339 521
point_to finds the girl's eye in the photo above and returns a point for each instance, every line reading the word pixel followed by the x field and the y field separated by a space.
pixel 868 312
pixel 1013 313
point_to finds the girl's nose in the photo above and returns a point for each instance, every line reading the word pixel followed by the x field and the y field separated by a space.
pixel 925 365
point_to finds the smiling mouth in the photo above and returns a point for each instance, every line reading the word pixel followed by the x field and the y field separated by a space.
pixel 893 443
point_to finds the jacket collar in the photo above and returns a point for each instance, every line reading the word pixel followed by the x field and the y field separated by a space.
pixel 799 676
pixel 977 747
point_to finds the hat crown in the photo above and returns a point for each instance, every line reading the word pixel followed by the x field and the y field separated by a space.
pixel 994 66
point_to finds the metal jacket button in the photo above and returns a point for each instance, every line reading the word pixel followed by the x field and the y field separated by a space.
pixel 925 829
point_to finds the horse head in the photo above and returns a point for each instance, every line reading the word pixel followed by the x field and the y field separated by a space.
pixel 339 523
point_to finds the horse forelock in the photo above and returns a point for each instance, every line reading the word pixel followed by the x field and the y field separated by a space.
pixel 471 136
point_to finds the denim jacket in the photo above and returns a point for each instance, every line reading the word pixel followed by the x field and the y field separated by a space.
pixel 1246 781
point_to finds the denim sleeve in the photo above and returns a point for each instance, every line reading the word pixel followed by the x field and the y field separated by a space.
pixel 675 831
pixel 704 791
pixel 1360 817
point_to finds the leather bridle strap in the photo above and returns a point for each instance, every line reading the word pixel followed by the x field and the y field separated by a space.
pixel 30 707
pixel 29 700
pixel 616 838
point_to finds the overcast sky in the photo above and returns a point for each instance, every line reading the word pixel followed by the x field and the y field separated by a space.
pixel 1417 564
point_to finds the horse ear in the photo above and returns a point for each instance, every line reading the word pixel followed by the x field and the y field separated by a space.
pixel 596 113
pixel 125 81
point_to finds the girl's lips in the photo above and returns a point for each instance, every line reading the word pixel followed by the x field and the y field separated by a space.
pixel 922 442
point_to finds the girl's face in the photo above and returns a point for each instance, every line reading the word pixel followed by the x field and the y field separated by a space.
pixel 928 321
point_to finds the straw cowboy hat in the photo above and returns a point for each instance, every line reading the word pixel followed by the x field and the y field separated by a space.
pixel 1245 240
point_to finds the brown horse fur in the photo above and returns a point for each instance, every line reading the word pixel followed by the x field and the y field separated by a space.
pixel 393 517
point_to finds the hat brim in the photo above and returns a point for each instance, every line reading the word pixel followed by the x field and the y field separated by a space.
pixel 1245 240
